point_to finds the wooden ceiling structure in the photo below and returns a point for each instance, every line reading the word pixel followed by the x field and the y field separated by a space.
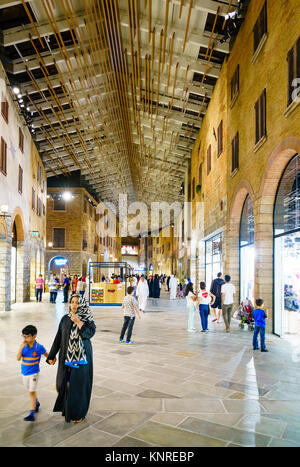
pixel 116 88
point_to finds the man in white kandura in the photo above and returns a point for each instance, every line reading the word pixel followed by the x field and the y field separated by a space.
pixel 173 287
pixel 142 292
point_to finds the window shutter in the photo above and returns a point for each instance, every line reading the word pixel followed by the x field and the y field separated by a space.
pixel 200 174
pixel 235 152
pixel 4 110
pixel 290 59
pixel 263 113
pixel 58 238
pixel 3 157
pixel 20 180
pixel 209 160
pixel 21 140
pixel 33 199
pixel 220 138
pixel 261 26
pixel 256 121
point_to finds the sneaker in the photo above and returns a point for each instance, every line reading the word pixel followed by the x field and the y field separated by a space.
pixel 191 330
pixel 121 340
pixel 264 350
pixel 129 342
pixel 202 330
pixel 37 406
pixel 255 348
pixel 29 418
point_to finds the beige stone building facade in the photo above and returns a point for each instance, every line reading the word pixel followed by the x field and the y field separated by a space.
pixel 74 237
pixel 22 204
pixel 249 135
pixel 37 217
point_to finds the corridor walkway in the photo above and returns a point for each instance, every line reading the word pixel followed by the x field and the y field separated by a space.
pixel 169 389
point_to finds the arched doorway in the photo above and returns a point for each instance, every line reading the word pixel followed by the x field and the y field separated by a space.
pixel 247 263
pixel 287 251
pixel 58 265
pixel 237 234
pixel 17 291
pixel 13 270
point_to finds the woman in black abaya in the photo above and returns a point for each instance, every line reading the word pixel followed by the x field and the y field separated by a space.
pixel 75 362
pixel 156 288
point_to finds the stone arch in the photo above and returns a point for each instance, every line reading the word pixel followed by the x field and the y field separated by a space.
pixel 276 165
pixel 18 220
pixel 274 169
pixel 21 284
pixel 231 246
pixel 3 228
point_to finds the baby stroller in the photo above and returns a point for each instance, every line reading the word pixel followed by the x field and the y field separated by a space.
pixel 245 314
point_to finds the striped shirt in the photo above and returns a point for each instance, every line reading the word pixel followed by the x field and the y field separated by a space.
pixel 30 364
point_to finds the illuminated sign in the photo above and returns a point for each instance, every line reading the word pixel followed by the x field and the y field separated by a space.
pixel 129 250
pixel 61 261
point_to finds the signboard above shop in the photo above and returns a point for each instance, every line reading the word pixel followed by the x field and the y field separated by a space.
pixel 60 261
pixel 129 250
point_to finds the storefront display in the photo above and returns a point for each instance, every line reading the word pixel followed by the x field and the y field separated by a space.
pixel 287 252
pixel 213 258
pixel 247 252
pixel 108 283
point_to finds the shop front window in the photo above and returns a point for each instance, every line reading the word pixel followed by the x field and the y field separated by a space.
pixel 287 252
pixel 247 252
pixel 213 258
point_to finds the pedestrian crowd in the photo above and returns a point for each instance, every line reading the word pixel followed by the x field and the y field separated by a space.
pixel 72 342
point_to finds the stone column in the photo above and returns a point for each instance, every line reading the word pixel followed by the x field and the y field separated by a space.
pixel 263 241
pixel 5 271
pixel 231 259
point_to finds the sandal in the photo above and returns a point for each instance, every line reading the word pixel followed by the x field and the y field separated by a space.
pixel 78 421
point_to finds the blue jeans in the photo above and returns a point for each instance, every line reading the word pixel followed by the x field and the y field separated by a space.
pixel 53 296
pixel 204 312
pixel 262 331
pixel 38 294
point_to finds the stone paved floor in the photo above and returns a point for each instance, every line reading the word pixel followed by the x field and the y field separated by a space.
pixel 170 389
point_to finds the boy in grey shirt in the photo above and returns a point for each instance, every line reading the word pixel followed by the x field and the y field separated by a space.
pixel 130 308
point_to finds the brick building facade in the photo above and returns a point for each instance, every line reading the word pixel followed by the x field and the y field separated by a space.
pixel 260 135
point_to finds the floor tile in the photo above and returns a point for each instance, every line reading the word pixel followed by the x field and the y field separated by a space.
pixel 91 437
pixel 167 436
pixel 120 424
pixel 265 426
pixel 233 435
pixel 151 394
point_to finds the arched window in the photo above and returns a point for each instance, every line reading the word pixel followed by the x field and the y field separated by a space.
pixel 287 251
pixel 247 224
pixel 247 251
pixel 287 204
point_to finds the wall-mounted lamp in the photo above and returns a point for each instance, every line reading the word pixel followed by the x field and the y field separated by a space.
pixel 4 211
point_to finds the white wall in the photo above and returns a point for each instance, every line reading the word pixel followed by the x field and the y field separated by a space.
pixel 10 132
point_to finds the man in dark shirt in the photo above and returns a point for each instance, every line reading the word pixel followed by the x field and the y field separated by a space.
pixel 66 286
pixel 215 289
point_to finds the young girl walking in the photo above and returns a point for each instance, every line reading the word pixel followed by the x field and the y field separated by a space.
pixel 204 300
